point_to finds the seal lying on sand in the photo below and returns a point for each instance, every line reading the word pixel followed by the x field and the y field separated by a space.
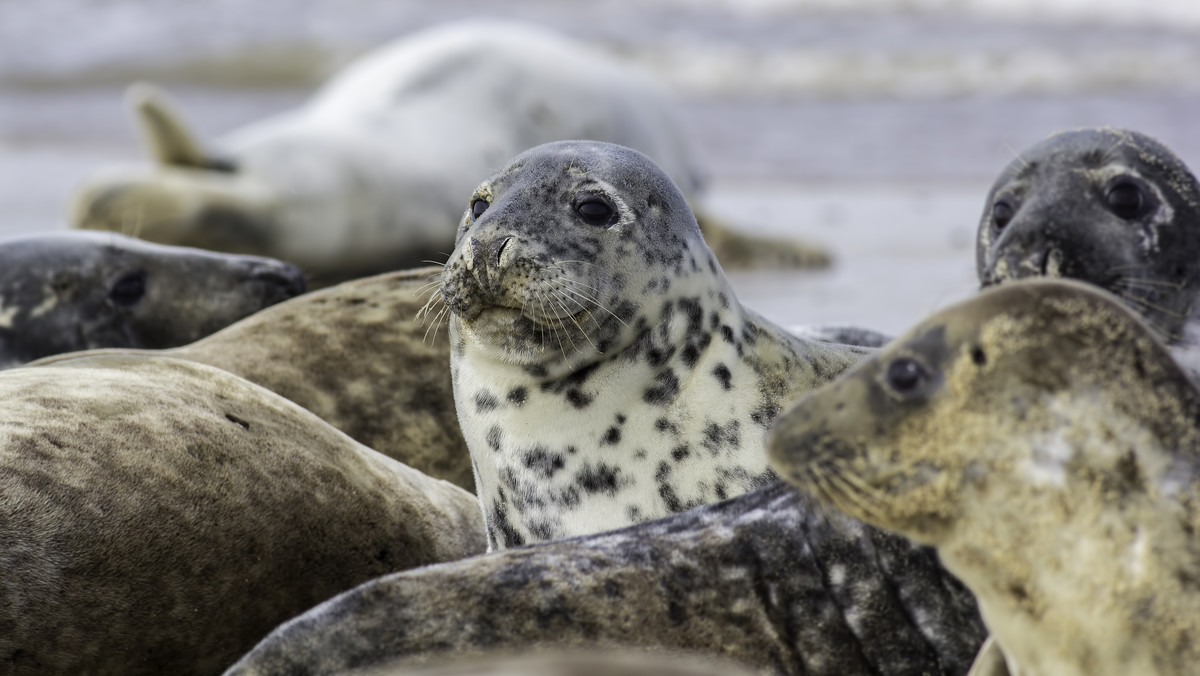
pixel 357 356
pixel 73 291
pixel 767 580
pixel 369 175
pixel 160 516
pixel 604 372
pixel 1046 443
pixel 1111 207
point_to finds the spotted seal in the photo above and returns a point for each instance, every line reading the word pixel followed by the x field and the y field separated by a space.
pixel 604 372
pixel 356 355
pixel 368 176
pixel 1111 207
pixel 73 291
pixel 768 580
pixel 160 516
pixel 1044 441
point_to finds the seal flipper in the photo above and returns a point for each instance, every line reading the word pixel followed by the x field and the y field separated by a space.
pixel 164 134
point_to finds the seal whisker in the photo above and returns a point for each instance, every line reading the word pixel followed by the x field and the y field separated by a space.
pixel 1139 281
pixel 554 298
pixel 1153 306
pixel 583 333
pixel 580 304
pixel 596 302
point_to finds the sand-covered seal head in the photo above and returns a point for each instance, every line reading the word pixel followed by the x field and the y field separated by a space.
pixel 1042 438
pixel 77 290
pixel 1111 207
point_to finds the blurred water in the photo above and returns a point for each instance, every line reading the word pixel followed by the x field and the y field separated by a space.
pixel 874 127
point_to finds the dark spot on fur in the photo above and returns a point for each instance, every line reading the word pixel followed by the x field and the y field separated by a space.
pixel 542 461
pixel 978 356
pixel 681 452
pixel 620 419
pixel 765 414
pixel 600 478
pixel 578 399
pixel 722 373
pixel 493 437
pixel 727 334
pixel 234 419
pixel 499 529
pixel 612 437
pixel 485 401
pixel 664 391
pixel 518 395
pixel 690 354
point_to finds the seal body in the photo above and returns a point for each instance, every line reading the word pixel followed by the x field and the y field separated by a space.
pixel 1110 207
pixel 356 355
pixel 369 175
pixel 161 516
pixel 1043 440
pixel 74 291
pixel 768 580
pixel 604 373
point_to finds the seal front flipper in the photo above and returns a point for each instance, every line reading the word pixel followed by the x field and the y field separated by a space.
pixel 164 133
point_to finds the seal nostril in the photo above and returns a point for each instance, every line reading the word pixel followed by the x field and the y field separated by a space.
pixel 287 278
pixel 500 249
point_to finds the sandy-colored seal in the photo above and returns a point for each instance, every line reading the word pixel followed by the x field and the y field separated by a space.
pixel 356 355
pixel 159 516
pixel 769 580
pixel 73 291
pixel 604 372
pixel 369 175
pixel 1111 207
pixel 1044 441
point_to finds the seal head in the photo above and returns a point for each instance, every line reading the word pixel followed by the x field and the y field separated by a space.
pixel 1111 207
pixel 1042 438
pixel 76 291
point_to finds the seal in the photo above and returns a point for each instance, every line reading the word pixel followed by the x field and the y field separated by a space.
pixel 604 372
pixel 769 580
pixel 1111 207
pixel 161 516
pixel 1044 441
pixel 356 355
pixel 73 291
pixel 579 663
pixel 368 176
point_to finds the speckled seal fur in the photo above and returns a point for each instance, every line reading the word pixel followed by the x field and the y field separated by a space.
pixel 368 176
pixel 73 291
pixel 1111 207
pixel 160 517
pixel 1044 441
pixel 604 373
pixel 768 580
pixel 356 355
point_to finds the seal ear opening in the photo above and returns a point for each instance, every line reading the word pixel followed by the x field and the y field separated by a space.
pixel 164 134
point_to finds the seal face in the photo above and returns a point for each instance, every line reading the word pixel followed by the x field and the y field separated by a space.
pixel 1042 438
pixel 1111 207
pixel 604 373
pixel 75 291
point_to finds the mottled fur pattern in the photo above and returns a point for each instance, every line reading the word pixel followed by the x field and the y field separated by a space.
pixel 357 356
pixel 1042 438
pixel 160 517
pixel 604 373
pixel 1110 207
pixel 767 579
pixel 74 291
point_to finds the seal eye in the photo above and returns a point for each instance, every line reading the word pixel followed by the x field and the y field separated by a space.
pixel 129 289
pixel 478 206
pixel 905 375
pixel 1002 213
pixel 595 211
pixel 1125 199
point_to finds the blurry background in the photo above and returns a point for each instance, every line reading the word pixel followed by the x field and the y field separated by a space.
pixel 873 127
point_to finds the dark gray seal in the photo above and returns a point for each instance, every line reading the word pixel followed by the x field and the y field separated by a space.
pixel 1044 441
pixel 1111 207
pixel 356 355
pixel 160 517
pixel 74 291
pixel 604 372
pixel 767 580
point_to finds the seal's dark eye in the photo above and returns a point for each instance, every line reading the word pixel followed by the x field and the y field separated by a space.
pixel 478 206
pixel 1125 199
pixel 129 289
pixel 906 375
pixel 595 211
pixel 1002 213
